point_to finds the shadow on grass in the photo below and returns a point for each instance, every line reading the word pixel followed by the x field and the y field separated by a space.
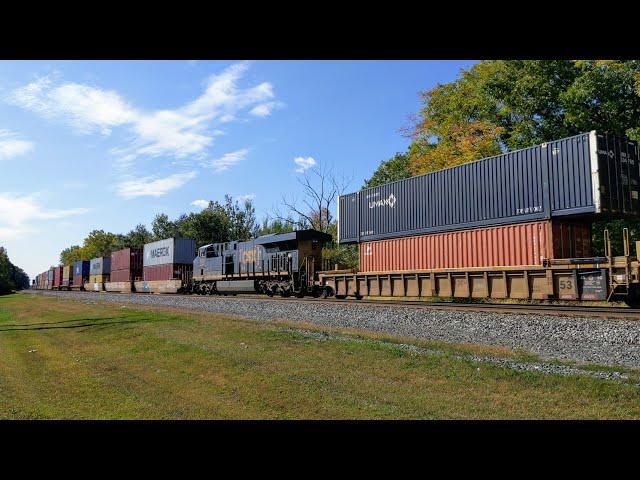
pixel 86 322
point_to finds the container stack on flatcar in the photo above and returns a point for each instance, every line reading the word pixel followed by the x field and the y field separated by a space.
pixel 67 278
pixel 126 268
pixel 81 270
pixel 167 265
pixel 99 272
pixel 525 208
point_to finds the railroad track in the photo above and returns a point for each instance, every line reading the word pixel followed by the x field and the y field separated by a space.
pixel 628 313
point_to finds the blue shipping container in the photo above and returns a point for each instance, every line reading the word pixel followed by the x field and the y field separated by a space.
pixel 81 267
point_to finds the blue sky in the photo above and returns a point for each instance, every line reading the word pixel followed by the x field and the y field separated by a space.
pixel 109 144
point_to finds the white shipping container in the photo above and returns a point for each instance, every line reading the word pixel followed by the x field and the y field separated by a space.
pixel 169 250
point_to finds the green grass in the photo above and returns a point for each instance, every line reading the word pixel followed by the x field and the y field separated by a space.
pixel 70 359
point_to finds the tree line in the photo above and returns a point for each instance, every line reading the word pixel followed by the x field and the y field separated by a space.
pixel 497 106
pixel 11 277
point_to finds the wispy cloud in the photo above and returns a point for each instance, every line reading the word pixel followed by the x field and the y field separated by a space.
pixel 265 109
pixel 304 163
pixel 200 203
pixel 153 186
pixel 243 198
pixel 12 146
pixel 180 132
pixel 226 161
pixel 16 213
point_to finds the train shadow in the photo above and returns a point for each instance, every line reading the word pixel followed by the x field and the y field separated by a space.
pixel 84 323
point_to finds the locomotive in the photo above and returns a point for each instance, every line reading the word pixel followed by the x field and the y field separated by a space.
pixel 282 264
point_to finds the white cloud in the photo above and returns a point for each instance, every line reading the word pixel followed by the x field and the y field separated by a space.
pixel 11 146
pixel 180 132
pixel 227 160
pixel 304 163
pixel 16 212
pixel 153 186
pixel 264 109
pixel 200 203
pixel 242 198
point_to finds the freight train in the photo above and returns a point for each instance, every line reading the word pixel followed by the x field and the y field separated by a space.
pixel 516 225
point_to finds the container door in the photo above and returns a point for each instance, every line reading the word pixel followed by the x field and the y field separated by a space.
pixel 619 175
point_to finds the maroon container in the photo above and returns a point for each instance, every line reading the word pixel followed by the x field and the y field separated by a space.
pixel 169 271
pixel 127 259
pixel 78 281
pixel 57 277
pixel 125 276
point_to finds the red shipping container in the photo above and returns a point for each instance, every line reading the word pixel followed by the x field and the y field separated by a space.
pixel 78 281
pixel 127 259
pixel 125 276
pixel 169 271
pixel 57 277
pixel 508 245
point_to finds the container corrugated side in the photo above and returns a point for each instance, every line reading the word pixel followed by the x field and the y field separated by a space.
pixel 555 179
pixel 127 259
pixel 182 272
pixel 101 278
pixel 169 251
pixel 100 266
pixel 57 276
pixel 81 268
pixel 67 272
pixel 507 245
pixel 125 276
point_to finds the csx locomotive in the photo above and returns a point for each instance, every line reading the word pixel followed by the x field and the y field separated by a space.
pixel 276 264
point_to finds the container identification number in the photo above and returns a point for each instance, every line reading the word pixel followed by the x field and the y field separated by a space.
pixel 524 211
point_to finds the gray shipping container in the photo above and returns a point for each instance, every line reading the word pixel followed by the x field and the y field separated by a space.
pixel 50 275
pixel 588 174
pixel 100 266
pixel 170 250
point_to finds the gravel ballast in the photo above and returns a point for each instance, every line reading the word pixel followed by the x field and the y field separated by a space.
pixel 592 340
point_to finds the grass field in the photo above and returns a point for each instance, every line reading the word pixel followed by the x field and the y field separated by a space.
pixel 83 360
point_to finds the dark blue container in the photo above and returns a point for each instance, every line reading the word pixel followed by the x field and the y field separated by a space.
pixel 81 267
pixel 588 174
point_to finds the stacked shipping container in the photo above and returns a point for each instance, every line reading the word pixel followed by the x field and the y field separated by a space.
pixel 81 272
pixel 99 269
pixel 126 265
pixel 509 245
pixel 511 209
pixel 67 276
pixel 169 259
pixel 57 277
pixel 588 174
